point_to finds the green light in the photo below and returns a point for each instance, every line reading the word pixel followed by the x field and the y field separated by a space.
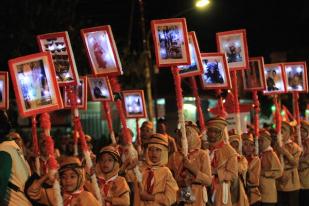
pixel 274 126
pixel 282 113
pixel 273 108
pixel 307 111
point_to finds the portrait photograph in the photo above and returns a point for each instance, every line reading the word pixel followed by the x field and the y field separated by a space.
pixel 35 85
pixel 134 103
pixel 101 50
pixel 4 90
pixel 196 66
pixel 215 71
pixel 81 94
pixel 295 74
pixel 100 88
pixel 171 42
pixel 58 44
pixel 253 77
pixel 234 45
pixel 273 74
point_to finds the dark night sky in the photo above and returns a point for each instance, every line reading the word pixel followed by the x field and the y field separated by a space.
pixel 272 25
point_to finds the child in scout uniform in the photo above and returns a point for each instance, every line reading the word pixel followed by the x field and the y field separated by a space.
pixel 72 178
pixel 193 171
pixel 288 185
pixel 239 196
pixel 223 160
pixel 271 169
pixel 158 185
pixel 254 169
pixel 303 167
pixel 114 188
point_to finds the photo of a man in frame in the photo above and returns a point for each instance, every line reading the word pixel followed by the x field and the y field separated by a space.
pixel 253 76
pixel 34 85
pixel 295 77
pixel 134 104
pixel 171 42
pixel 213 72
pixel 100 89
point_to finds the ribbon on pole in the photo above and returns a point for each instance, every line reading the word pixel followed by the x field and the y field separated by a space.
pixel 198 104
pixel 297 117
pixel 256 120
pixel 222 112
pixel 181 118
pixel 108 115
pixel 36 149
pixel 278 126
pixel 237 110
pixel 52 162
pixel 81 136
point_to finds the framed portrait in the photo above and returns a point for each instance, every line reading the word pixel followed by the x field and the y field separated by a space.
pixel 100 89
pixel 58 44
pixel 196 66
pixel 35 85
pixel 170 37
pixel 134 103
pixel 234 45
pixel 4 90
pixel 274 79
pixel 216 73
pixel 81 94
pixel 295 74
pixel 102 51
pixel 253 77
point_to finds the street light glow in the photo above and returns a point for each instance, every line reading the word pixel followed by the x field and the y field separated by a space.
pixel 202 3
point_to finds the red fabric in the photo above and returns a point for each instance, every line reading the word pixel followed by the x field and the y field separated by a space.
pixel 78 127
pixel 235 91
pixel 296 107
pixel 36 149
pixel 108 115
pixel 45 121
pixel 150 181
pixel 257 112
pixel 71 196
pixel 198 103
pixel 178 90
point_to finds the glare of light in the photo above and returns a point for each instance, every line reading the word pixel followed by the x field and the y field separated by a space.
pixel 237 44
pixel 51 48
pixel 161 101
pixel 282 113
pixel 189 107
pixel 307 111
pixel 299 87
pixel 201 3
pixel 273 108
pixel 67 75
pixel 223 101
pixel 189 98
pixel 288 69
pixel 299 69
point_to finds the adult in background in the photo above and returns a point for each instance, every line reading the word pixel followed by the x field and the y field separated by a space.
pixel 14 170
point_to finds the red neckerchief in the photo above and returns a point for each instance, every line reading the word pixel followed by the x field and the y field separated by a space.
pixel 71 196
pixel 213 149
pixel 150 181
pixel 105 185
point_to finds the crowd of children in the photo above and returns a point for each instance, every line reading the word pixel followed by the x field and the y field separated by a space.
pixel 227 170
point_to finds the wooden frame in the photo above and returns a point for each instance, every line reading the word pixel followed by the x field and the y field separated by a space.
pixel 81 91
pixel 234 45
pixel 4 90
pixel 100 89
pixel 102 51
pixel 253 77
pixel 274 79
pixel 196 66
pixel 296 78
pixel 58 44
pixel 35 85
pixel 216 73
pixel 134 103
pixel 170 37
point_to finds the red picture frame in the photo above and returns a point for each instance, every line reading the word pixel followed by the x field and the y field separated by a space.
pixel 59 45
pixel 170 37
pixel 196 66
pixel 274 79
pixel 134 103
pixel 253 77
pixel 81 93
pixel 100 89
pixel 34 83
pixel 101 50
pixel 295 74
pixel 216 73
pixel 4 90
pixel 234 45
